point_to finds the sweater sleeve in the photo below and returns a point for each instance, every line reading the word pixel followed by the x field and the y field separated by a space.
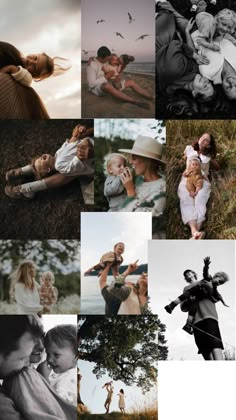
pixel 23 76
pixel 113 186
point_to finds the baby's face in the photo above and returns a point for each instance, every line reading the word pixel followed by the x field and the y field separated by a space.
pixel 46 281
pixel 120 248
pixel 60 358
pixel 194 165
pixel 114 61
pixel 36 64
pixel 116 166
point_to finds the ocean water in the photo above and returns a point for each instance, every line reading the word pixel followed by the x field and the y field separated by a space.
pixel 141 68
pixel 91 299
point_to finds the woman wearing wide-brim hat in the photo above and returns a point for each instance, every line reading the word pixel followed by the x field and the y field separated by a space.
pixel 146 190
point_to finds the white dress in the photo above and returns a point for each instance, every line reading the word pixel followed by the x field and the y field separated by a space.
pixel 65 384
pixel 131 305
pixel 194 208
pixel 28 301
pixel 121 400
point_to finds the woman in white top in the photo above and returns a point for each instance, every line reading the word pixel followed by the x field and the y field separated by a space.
pixel 193 209
pixel 25 289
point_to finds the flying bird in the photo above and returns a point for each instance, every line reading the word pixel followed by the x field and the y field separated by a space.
pixel 118 34
pixel 86 52
pixel 130 18
pixel 141 37
pixel 102 20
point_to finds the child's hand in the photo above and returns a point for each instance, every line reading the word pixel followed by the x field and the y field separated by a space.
pixel 109 74
pixel 192 194
pixel 190 25
pixel 207 261
pixel 83 149
pixel 215 47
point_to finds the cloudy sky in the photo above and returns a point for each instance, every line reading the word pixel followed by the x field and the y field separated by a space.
pixel 100 231
pixel 115 14
pixel 52 27
pixel 167 262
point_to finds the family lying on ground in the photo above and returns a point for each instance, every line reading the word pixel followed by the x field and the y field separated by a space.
pixel 31 297
pixel 110 390
pixel 194 56
pixel 121 297
pixel 104 77
pixel 75 158
pixel 34 390
pixel 17 99
pixel 198 299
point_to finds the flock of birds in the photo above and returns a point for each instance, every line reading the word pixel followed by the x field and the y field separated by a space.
pixel 119 34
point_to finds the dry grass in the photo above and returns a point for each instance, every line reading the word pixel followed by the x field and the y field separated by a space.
pixel 221 207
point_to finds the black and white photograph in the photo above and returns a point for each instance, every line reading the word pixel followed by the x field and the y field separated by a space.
pixel 38 367
pixel 192 289
pixel 195 59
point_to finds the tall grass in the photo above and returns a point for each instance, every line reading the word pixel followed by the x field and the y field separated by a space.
pixel 221 207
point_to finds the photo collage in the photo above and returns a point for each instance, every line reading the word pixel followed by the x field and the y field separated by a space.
pixel 118 209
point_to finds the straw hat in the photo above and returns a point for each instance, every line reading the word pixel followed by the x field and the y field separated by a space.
pixel 146 147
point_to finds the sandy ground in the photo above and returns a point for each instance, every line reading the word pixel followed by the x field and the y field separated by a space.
pixel 110 107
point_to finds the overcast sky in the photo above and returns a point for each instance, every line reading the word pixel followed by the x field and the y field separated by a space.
pixel 115 14
pixel 52 27
pixel 101 231
pixel 167 262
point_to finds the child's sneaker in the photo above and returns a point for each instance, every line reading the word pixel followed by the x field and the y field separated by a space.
pixel 188 328
pixel 169 308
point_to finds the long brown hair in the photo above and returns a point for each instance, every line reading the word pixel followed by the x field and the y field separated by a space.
pixel 211 150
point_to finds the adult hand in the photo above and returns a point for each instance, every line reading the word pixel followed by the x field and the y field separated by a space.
pixel 110 74
pixel 132 267
pixel 127 180
pixel 190 25
pixel 200 59
pixel 207 261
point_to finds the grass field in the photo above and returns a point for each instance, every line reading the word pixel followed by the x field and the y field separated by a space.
pixel 53 214
pixel 221 207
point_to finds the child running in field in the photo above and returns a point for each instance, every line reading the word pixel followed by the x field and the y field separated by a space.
pixel 196 291
pixel 114 189
pixel 47 292
pixel 31 67
pixel 60 368
pixel 114 257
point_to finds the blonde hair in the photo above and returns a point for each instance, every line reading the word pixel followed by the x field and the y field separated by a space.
pixel 111 157
pixel 52 68
pixel 23 275
pixel 49 275
pixel 226 14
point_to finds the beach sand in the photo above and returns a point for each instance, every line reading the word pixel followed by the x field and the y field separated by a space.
pixel 109 107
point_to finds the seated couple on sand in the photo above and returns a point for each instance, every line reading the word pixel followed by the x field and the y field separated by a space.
pixel 72 160
pixel 104 77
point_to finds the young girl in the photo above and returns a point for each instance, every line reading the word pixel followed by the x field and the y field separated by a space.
pixel 60 368
pixel 121 401
pixel 25 69
pixel 25 289
pixel 114 189
pixel 66 162
pixel 47 292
